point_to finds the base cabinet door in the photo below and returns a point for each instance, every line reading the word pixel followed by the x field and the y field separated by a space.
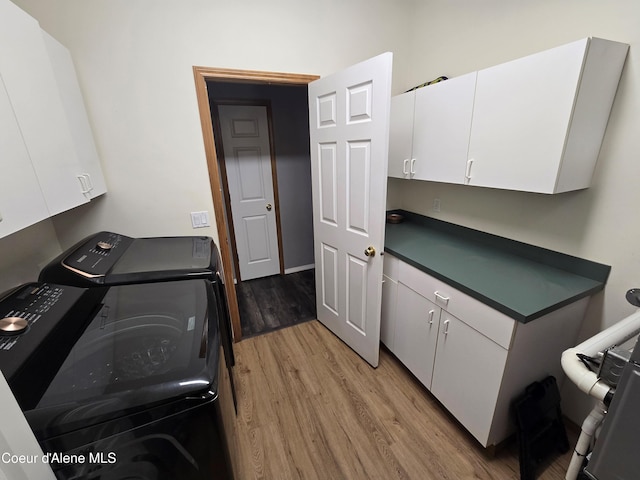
pixel 416 333
pixel 388 313
pixel 467 374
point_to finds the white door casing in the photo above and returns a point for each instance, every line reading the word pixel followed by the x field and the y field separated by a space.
pixel 349 132
pixel 247 155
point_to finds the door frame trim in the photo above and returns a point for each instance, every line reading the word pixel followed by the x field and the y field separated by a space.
pixel 201 76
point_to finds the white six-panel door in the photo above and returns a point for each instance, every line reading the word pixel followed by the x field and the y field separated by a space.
pixel 349 130
pixel 247 154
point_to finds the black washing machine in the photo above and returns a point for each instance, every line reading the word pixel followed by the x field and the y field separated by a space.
pixel 122 382
pixel 108 258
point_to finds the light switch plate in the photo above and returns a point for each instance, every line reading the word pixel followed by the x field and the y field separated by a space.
pixel 199 219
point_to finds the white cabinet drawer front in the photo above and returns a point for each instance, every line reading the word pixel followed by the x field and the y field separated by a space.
pixel 390 266
pixel 424 284
pixel 486 320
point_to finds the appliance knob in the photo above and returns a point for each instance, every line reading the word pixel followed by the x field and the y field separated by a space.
pixel 13 325
pixel 104 246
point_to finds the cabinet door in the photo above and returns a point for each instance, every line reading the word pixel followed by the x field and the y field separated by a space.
pixel 416 333
pixel 388 315
pixel 467 375
pixel 400 135
pixel 21 200
pixel 522 110
pixel 89 167
pixel 441 129
pixel 28 76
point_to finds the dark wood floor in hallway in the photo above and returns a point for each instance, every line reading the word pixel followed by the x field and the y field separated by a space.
pixel 270 303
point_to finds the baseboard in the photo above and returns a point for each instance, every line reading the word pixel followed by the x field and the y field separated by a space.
pixel 301 268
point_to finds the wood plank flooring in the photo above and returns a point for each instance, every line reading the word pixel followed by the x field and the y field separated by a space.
pixel 310 408
pixel 270 303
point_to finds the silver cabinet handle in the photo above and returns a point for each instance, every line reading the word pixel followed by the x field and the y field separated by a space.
pixel 431 312
pixel 404 166
pixel 446 327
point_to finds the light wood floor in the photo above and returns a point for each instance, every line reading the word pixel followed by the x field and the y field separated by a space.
pixel 310 408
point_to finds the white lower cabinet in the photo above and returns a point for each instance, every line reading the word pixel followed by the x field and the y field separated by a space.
pixel 474 359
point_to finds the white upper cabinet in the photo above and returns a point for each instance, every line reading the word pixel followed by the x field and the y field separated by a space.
pixel 534 124
pixel 49 160
pixel 28 76
pixel 400 135
pixel 538 122
pixel 21 200
pixel 441 129
pixel 89 172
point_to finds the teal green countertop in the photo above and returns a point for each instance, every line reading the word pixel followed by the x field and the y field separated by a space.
pixel 520 280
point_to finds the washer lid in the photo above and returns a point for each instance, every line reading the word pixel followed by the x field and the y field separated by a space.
pixel 149 344
pixel 164 258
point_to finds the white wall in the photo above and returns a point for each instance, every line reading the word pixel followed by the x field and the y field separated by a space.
pixel 134 61
pixel 601 223
pixel 24 253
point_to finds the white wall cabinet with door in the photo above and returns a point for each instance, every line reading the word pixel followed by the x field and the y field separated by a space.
pixel 539 121
pixel 533 124
pixel 21 200
pixel 401 135
pixel 429 131
pixel 474 359
pixel 47 117
pixel 89 170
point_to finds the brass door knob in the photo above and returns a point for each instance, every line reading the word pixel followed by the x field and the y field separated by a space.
pixel 370 251
pixel 269 207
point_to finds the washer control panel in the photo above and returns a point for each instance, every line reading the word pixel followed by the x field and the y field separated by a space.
pixel 24 308
pixel 98 254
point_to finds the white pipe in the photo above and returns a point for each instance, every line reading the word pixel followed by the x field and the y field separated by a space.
pixel 586 380
pixel 589 426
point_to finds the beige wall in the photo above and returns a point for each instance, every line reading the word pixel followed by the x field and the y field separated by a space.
pixel 134 61
pixel 601 223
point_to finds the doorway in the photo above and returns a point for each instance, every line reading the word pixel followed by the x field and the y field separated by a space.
pixel 210 83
